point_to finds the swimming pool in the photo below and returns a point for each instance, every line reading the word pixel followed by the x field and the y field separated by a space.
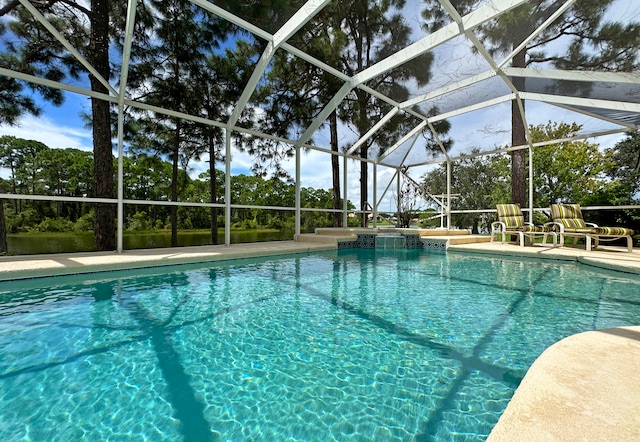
pixel 349 345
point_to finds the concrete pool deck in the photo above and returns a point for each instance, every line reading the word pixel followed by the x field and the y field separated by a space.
pixel 585 387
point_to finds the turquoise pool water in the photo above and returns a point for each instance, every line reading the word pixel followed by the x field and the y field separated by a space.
pixel 349 345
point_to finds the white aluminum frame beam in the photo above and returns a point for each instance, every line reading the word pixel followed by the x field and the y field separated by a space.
pixel 57 85
pixel 468 22
pixel 415 131
pixel 124 72
pixel 324 114
pixel 628 126
pixel 302 16
pixel 573 75
pixel 452 87
pixel 386 189
pixel 583 102
pixel 561 10
pixel 231 18
pixel 384 120
pixel 68 46
pixel 471 108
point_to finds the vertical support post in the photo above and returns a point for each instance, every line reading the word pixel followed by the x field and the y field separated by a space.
pixel 126 55
pixel 120 183
pixel 345 206
pixel 375 195
pixel 398 202
pixel 298 213
pixel 448 206
pixel 530 184
pixel 227 187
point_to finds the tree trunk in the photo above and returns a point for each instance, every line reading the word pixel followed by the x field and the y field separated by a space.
pixel 98 54
pixel 213 189
pixel 518 138
pixel 335 167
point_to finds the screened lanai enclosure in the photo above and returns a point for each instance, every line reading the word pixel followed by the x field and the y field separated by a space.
pixel 352 96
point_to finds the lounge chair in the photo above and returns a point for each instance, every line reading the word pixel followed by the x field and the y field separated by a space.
pixel 569 221
pixel 511 222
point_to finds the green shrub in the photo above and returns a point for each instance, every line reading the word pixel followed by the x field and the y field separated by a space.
pixel 84 223
pixel 54 225
pixel 246 224
pixel 275 223
pixel 185 223
pixel 139 222
pixel 20 222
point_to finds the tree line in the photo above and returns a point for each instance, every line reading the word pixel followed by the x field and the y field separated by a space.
pixel 36 169
pixel 189 61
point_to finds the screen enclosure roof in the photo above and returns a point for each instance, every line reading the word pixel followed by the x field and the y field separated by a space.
pixel 471 87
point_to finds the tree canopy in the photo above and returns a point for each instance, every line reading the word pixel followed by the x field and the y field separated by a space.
pixel 570 172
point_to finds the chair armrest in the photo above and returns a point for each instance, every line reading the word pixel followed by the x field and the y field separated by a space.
pixel 558 227
pixel 591 224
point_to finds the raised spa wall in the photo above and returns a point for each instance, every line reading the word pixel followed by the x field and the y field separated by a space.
pixel 388 239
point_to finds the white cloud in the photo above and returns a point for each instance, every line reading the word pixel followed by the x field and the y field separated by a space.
pixel 52 134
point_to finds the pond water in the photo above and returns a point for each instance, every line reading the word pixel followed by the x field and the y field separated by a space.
pixel 27 244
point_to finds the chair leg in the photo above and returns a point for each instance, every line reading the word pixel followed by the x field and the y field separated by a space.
pixel 587 242
pixel 554 239
pixel 629 243
pixel 494 233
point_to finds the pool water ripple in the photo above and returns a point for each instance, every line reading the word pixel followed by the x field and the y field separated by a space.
pixel 335 346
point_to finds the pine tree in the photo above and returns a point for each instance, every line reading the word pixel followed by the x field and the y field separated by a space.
pixel 88 26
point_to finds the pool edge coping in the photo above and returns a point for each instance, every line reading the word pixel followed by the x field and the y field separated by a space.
pixel 51 265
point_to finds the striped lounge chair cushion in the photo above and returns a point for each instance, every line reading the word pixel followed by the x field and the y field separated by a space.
pixel 614 231
pixel 528 228
pixel 570 216
pixel 571 211
pixel 510 215
pixel 513 219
